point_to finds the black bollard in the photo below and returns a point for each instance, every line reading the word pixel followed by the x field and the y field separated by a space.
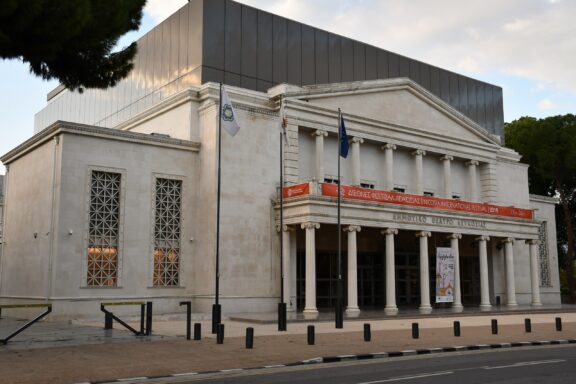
pixel 367 332
pixel 220 334
pixel 558 324
pixel 142 319
pixel 249 338
pixel 282 317
pixel 494 326
pixel 339 316
pixel 457 328
pixel 310 335
pixel 108 320
pixel 148 318
pixel 216 317
pixel 527 325
pixel 188 305
pixel 415 331
pixel 197 331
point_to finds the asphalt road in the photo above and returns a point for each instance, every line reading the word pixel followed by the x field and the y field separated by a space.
pixel 524 365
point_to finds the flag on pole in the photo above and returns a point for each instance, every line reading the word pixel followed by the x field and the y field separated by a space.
pixel 228 116
pixel 283 121
pixel 343 138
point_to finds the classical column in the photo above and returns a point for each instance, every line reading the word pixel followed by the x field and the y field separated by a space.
pixel 534 271
pixel 483 256
pixel 320 135
pixel 352 308
pixel 390 271
pixel 447 191
pixel 310 303
pixel 356 141
pixel 419 182
pixel 389 165
pixel 287 233
pixel 472 180
pixel 510 281
pixel 457 304
pixel 424 272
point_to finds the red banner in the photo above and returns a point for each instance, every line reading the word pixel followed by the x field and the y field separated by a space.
pixel 356 193
pixel 297 190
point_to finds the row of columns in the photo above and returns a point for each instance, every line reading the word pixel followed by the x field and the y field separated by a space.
pixel 425 306
pixel 389 167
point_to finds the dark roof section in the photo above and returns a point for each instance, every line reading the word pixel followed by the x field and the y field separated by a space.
pixel 250 48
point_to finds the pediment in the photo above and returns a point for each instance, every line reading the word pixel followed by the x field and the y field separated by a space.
pixel 397 101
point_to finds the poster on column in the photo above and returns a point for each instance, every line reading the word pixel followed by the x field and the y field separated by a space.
pixel 444 275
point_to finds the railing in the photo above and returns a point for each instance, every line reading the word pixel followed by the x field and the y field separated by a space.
pixel 145 317
pixel 28 324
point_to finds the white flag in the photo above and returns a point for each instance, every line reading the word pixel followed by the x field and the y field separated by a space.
pixel 228 115
pixel 283 121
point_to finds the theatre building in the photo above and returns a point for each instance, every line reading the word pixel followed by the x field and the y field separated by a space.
pixel 114 197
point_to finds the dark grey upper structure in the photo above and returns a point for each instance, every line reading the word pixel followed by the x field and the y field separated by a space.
pixel 224 41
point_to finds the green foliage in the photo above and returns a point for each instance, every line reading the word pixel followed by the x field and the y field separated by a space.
pixel 549 147
pixel 70 40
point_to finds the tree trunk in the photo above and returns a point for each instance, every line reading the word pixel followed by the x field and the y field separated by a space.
pixel 569 264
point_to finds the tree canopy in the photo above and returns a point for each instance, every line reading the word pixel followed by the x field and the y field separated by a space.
pixel 70 40
pixel 549 147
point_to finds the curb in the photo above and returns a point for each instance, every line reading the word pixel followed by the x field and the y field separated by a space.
pixel 341 358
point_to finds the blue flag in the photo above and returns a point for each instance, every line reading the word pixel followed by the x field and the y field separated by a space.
pixel 343 138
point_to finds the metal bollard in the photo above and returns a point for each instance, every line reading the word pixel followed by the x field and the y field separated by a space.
pixel 494 326
pixel 108 321
pixel 367 332
pixel 216 317
pixel 249 338
pixel 220 334
pixel 197 331
pixel 282 317
pixel 188 305
pixel 142 319
pixel 415 331
pixel 558 324
pixel 339 316
pixel 311 335
pixel 148 318
pixel 457 328
pixel 527 325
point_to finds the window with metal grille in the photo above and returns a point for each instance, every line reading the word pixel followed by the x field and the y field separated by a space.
pixel 545 279
pixel 104 218
pixel 168 202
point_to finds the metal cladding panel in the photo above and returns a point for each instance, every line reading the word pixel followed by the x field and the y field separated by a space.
pixel 481 102
pixel 445 86
pixel 157 57
pixel 347 59
pixel 425 76
pixel 403 66
pixel 393 65
pixel 233 38
pixel 214 31
pixel 232 79
pixel 472 108
pixel 195 35
pixel 279 47
pixel 359 61
pixel 264 46
pixel 183 41
pixel 263 86
pixel 249 82
pixel 414 71
pixel 490 97
pixel 383 58
pixel 454 101
pixel 334 58
pixel 211 74
pixel 250 43
pixel 463 95
pixel 498 111
pixel 173 69
pixel 371 63
pixel 308 56
pixel 294 47
pixel 321 56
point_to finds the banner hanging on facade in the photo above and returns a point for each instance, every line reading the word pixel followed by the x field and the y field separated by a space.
pixel 444 275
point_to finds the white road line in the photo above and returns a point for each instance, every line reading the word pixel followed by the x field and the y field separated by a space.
pixel 522 364
pixel 400 378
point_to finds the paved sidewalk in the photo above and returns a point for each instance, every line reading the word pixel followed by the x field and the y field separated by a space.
pixel 105 358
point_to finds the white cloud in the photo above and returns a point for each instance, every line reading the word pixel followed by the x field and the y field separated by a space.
pixel 546 104
pixel 161 9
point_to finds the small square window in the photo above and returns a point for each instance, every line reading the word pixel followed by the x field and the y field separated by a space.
pixel 399 189
pixel 427 193
pixel 367 185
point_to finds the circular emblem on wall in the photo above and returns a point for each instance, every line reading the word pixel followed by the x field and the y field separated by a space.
pixel 227 113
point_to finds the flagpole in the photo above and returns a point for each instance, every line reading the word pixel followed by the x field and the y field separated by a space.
pixel 282 304
pixel 216 308
pixel 339 315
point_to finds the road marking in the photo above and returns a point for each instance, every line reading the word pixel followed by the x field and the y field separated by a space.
pixel 522 364
pixel 400 378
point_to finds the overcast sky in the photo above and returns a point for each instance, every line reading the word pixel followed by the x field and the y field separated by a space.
pixel 528 47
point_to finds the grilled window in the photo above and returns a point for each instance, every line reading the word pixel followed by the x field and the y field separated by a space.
pixel 104 218
pixel 545 279
pixel 168 203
